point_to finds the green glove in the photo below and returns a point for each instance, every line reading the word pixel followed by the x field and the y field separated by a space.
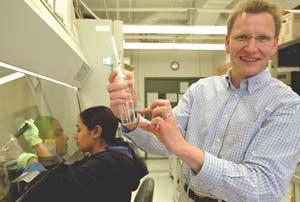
pixel 31 135
pixel 23 159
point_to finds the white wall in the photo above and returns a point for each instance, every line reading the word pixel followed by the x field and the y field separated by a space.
pixel 97 45
pixel 153 63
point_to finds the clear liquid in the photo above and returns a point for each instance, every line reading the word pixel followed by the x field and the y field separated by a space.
pixel 127 112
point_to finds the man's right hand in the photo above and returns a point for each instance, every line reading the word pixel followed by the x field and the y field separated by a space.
pixel 117 93
pixel 31 135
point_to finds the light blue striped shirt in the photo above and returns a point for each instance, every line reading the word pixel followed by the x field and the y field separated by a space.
pixel 250 135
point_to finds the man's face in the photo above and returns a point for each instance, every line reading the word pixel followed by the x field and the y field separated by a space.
pixel 251 43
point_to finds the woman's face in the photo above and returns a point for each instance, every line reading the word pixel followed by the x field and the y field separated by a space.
pixel 85 139
pixel 61 140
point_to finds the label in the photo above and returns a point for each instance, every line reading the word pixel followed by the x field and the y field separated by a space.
pixel 50 144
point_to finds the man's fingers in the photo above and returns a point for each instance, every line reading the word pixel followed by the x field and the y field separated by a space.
pixel 119 95
pixel 160 103
pixel 159 111
pixel 146 126
pixel 116 87
pixel 129 77
pixel 157 121
pixel 117 102
pixel 112 76
pixel 145 111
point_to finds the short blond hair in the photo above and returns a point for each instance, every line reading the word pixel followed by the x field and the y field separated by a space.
pixel 255 6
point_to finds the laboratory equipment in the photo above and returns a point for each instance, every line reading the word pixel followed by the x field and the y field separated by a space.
pixel 127 111
pixel 22 130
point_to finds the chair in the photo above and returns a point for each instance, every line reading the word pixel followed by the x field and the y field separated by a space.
pixel 145 191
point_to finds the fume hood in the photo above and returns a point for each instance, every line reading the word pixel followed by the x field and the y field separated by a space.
pixel 32 38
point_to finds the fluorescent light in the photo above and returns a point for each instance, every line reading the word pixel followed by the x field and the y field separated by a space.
pixel 18 69
pixel 160 29
pixel 294 11
pixel 288 69
pixel 11 77
pixel 172 46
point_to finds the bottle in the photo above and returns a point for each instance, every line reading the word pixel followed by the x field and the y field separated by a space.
pixel 127 110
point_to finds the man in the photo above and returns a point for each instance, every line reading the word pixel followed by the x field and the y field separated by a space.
pixel 236 134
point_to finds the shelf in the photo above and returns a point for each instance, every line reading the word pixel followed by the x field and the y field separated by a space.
pixel 289 54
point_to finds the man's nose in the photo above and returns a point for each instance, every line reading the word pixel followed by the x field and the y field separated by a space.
pixel 251 45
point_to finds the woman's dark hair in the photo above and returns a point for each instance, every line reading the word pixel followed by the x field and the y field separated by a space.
pixel 102 116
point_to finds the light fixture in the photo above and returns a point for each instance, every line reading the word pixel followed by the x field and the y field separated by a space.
pixel 173 46
pixel 294 11
pixel 160 29
pixel 11 77
pixel 18 69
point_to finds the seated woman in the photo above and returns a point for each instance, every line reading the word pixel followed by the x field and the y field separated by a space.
pixel 110 172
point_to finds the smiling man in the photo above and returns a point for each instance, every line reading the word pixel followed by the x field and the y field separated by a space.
pixel 238 134
pixel 251 40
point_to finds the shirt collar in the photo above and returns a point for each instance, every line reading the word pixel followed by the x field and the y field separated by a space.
pixel 122 149
pixel 253 83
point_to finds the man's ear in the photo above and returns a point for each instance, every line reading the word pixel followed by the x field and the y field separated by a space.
pixel 275 45
pixel 97 131
pixel 227 43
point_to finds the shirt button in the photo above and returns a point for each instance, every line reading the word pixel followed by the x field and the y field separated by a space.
pixel 218 139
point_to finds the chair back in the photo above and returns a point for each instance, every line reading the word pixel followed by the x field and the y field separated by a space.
pixel 145 191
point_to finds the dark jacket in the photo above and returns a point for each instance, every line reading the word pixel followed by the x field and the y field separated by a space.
pixel 108 176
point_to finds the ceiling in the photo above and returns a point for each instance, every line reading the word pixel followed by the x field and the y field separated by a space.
pixel 163 12
pixel 167 12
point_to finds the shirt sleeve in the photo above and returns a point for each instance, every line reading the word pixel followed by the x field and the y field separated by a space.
pixel 145 140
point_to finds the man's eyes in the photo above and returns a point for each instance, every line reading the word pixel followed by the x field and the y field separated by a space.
pixel 260 38
pixel 242 37
pixel 263 38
